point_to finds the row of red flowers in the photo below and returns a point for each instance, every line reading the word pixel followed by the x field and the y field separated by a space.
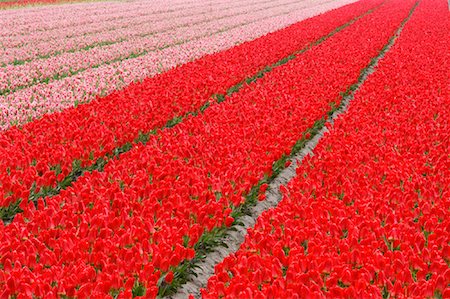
pixel 142 216
pixel 368 215
pixel 42 153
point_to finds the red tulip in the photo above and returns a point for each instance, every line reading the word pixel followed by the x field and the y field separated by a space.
pixel 229 221
pixel 169 277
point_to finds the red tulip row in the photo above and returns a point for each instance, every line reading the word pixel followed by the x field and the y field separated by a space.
pixel 45 152
pixel 368 215
pixel 128 227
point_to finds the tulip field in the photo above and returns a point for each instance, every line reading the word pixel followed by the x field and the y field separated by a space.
pixel 136 135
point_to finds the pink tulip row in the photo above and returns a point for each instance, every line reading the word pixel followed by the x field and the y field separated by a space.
pixel 78 35
pixel 30 103
pixel 20 4
pixel 167 33
pixel 27 21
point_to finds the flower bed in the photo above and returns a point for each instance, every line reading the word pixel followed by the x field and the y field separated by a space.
pixel 367 215
pixel 80 136
pixel 126 229
pixel 61 87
